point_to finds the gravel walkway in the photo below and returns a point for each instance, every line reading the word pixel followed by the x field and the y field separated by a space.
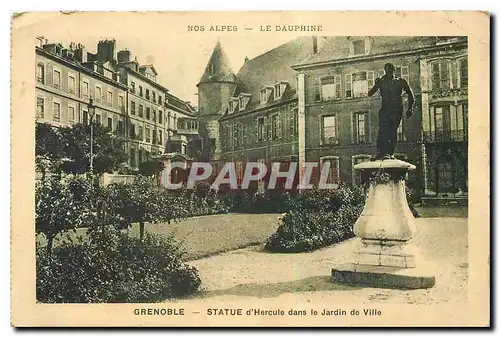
pixel 251 273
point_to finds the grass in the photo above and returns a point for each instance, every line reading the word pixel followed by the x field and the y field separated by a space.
pixel 442 212
pixel 204 235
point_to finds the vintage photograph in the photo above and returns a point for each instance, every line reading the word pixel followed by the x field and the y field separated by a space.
pixel 325 173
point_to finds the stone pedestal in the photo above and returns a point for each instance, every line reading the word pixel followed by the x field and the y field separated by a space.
pixel 385 255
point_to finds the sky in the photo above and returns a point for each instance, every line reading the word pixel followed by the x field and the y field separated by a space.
pixel 179 59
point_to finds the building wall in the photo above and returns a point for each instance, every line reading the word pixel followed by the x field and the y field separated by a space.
pixel 141 148
pixel 250 144
pixel 79 97
pixel 346 146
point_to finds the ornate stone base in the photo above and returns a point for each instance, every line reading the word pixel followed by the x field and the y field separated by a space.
pixel 386 253
pixel 386 256
pixel 385 277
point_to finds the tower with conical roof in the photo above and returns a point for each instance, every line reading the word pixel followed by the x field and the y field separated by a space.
pixel 215 88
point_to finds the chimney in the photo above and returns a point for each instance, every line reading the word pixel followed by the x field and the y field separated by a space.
pixel 246 59
pixel 81 53
pixel 315 44
pixel 124 56
pixel 106 50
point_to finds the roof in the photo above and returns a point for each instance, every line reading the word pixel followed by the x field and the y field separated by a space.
pixel 338 48
pixel 271 67
pixel 150 66
pixel 218 68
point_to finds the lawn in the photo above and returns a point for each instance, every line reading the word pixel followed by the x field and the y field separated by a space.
pixel 442 212
pixel 205 235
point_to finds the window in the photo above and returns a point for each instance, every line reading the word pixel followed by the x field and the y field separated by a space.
pixel 160 137
pixel 110 124
pixel 403 72
pixel 132 131
pixel 370 79
pixel 236 134
pixel 132 107
pixel 159 99
pixel 141 133
pixel 358 47
pixel 154 137
pixel 329 126
pixel 71 113
pixel 85 117
pixel 98 94
pixel 140 91
pixel 333 172
pixel 98 119
pixel 243 101
pixel 40 108
pixel 160 116
pixel 147 93
pixel 360 84
pixel 463 72
pixel 121 129
pixel 153 115
pixel 121 103
pixel 360 127
pixel 263 95
pixel 85 89
pixel 260 128
pixel 447 124
pixel 40 73
pixel 148 134
pixel 294 122
pixel 331 87
pixel 56 113
pixel 132 158
pixel 278 90
pixel 57 79
pixel 132 87
pixel 71 84
pixel 210 69
pixel 348 85
pixel 440 75
pixel 148 113
pixel 275 121
pixel 401 135
pixel 141 110
pixel 154 96
pixel 110 98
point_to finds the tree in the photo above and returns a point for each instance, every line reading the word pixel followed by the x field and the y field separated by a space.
pixel 109 149
pixel 61 206
pixel 143 201
pixel 151 167
pixel 48 149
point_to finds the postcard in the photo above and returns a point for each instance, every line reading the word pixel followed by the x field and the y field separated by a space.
pixel 262 169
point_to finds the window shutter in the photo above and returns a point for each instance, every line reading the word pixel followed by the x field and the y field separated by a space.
pixel 367 127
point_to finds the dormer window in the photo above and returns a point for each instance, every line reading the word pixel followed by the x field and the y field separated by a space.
pixel 360 46
pixel 233 105
pixel 243 101
pixel 265 93
pixel 279 89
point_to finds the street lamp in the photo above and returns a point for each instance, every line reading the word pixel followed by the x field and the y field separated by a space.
pixel 91 107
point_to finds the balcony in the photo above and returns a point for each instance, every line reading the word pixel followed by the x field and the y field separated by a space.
pixel 445 136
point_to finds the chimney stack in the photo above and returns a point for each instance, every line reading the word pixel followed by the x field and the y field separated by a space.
pixel 315 44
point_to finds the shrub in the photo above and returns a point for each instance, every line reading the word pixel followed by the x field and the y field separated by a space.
pixel 317 218
pixel 113 267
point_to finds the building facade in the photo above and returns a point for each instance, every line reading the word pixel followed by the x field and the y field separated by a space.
pixel 341 121
pixel 307 101
pixel 253 114
pixel 127 98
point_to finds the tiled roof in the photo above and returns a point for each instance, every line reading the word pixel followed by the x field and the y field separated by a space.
pixel 338 48
pixel 271 67
pixel 218 68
